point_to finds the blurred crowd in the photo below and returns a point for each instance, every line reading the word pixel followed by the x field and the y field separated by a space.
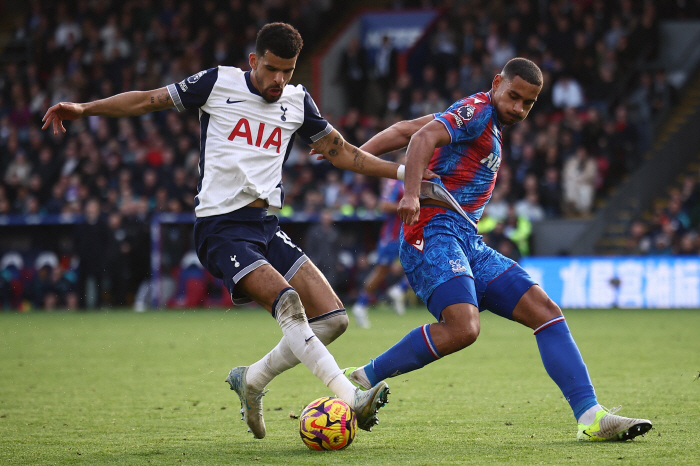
pixel 672 226
pixel 592 121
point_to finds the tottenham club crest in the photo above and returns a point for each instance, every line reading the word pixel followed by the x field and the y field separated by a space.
pixel 466 112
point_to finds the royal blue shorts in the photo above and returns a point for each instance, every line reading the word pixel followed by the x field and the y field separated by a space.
pixel 387 252
pixel 445 247
pixel 232 245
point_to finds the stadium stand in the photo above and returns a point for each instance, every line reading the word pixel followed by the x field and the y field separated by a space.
pixel 594 119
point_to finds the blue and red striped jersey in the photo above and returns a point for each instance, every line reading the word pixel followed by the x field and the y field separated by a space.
pixel 468 164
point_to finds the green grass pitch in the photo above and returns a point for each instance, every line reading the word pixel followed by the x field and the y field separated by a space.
pixel 126 388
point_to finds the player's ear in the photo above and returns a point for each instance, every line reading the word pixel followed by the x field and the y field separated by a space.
pixel 496 81
pixel 253 60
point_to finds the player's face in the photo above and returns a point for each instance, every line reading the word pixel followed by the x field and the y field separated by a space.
pixel 270 74
pixel 514 98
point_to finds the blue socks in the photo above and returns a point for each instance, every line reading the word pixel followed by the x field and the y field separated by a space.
pixel 562 361
pixel 363 299
pixel 414 351
pixel 560 355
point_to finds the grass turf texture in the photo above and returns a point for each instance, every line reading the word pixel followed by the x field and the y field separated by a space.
pixel 126 388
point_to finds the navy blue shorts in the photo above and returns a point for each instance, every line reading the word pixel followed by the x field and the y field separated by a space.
pixel 232 245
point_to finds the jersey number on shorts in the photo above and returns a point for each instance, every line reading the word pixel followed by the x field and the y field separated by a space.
pixel 287 240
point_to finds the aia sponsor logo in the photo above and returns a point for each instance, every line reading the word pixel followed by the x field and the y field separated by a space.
pixel 492 162
pixel 242 130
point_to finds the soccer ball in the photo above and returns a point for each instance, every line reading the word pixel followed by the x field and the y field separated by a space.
pixel 327 424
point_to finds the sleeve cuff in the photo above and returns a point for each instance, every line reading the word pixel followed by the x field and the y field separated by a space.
pixel 176 97
pixel 326 131
pixel 447 127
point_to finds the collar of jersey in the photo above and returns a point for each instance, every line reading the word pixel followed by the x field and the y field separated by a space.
pixel 251 88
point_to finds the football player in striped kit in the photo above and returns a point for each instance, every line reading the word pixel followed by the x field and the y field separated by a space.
pixel 453 271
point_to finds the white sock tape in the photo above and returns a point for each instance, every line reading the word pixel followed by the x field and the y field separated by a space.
pixel 401 172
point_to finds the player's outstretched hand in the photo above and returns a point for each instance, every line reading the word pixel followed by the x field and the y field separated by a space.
pixel 427 174
pixel 409 210
pixel 59 112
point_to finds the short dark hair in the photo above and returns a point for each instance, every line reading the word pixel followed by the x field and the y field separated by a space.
pixel 282 39
pixel 526 69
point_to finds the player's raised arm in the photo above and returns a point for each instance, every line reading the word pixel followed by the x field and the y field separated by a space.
pixel 344 155
pixel 132 103
pixel 419 152
pixel 396 136
pixel 348 157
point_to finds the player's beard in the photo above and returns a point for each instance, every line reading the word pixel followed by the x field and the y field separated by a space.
pixel 265 92
pixel 270 98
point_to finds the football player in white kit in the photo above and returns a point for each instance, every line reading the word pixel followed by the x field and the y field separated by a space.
pixel 248 123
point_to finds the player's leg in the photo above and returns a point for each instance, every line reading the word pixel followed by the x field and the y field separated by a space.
pixel 286 307
pixel 440 275
pixel 367 294
pixel 514 295
pixel 387 252
pixel 453 305
pixel 397 292
pixel 269 288
pixel 325 313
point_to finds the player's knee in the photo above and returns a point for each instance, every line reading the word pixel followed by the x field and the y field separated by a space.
pixel 338 326
pixel 552 309
pixel 466 334
pixel 329 327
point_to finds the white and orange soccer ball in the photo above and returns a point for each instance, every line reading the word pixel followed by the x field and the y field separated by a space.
pixel 327 423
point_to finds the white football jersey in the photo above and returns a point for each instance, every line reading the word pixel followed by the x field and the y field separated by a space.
pixel 244 139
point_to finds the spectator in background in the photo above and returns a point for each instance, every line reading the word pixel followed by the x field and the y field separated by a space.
pixel 385 66
pixel 638 240
pixel 530 208
pixel 660 93
pixel 518 229
pixel 567 93
pixel 550 187
pixel 499 241
pixel 477 81
pixel 353 73
pixel 434 103
pixel 444 47
pixel 91 240
pixel 579 180
pixel 688 244
pixel 497 207
pixel 18 171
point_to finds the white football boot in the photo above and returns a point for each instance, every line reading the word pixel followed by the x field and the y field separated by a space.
pixel 251 401
pixel 367 403
pixel 608 426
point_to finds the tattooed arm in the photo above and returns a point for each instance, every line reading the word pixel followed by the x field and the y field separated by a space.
pixel 348 157
pixel 132 103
